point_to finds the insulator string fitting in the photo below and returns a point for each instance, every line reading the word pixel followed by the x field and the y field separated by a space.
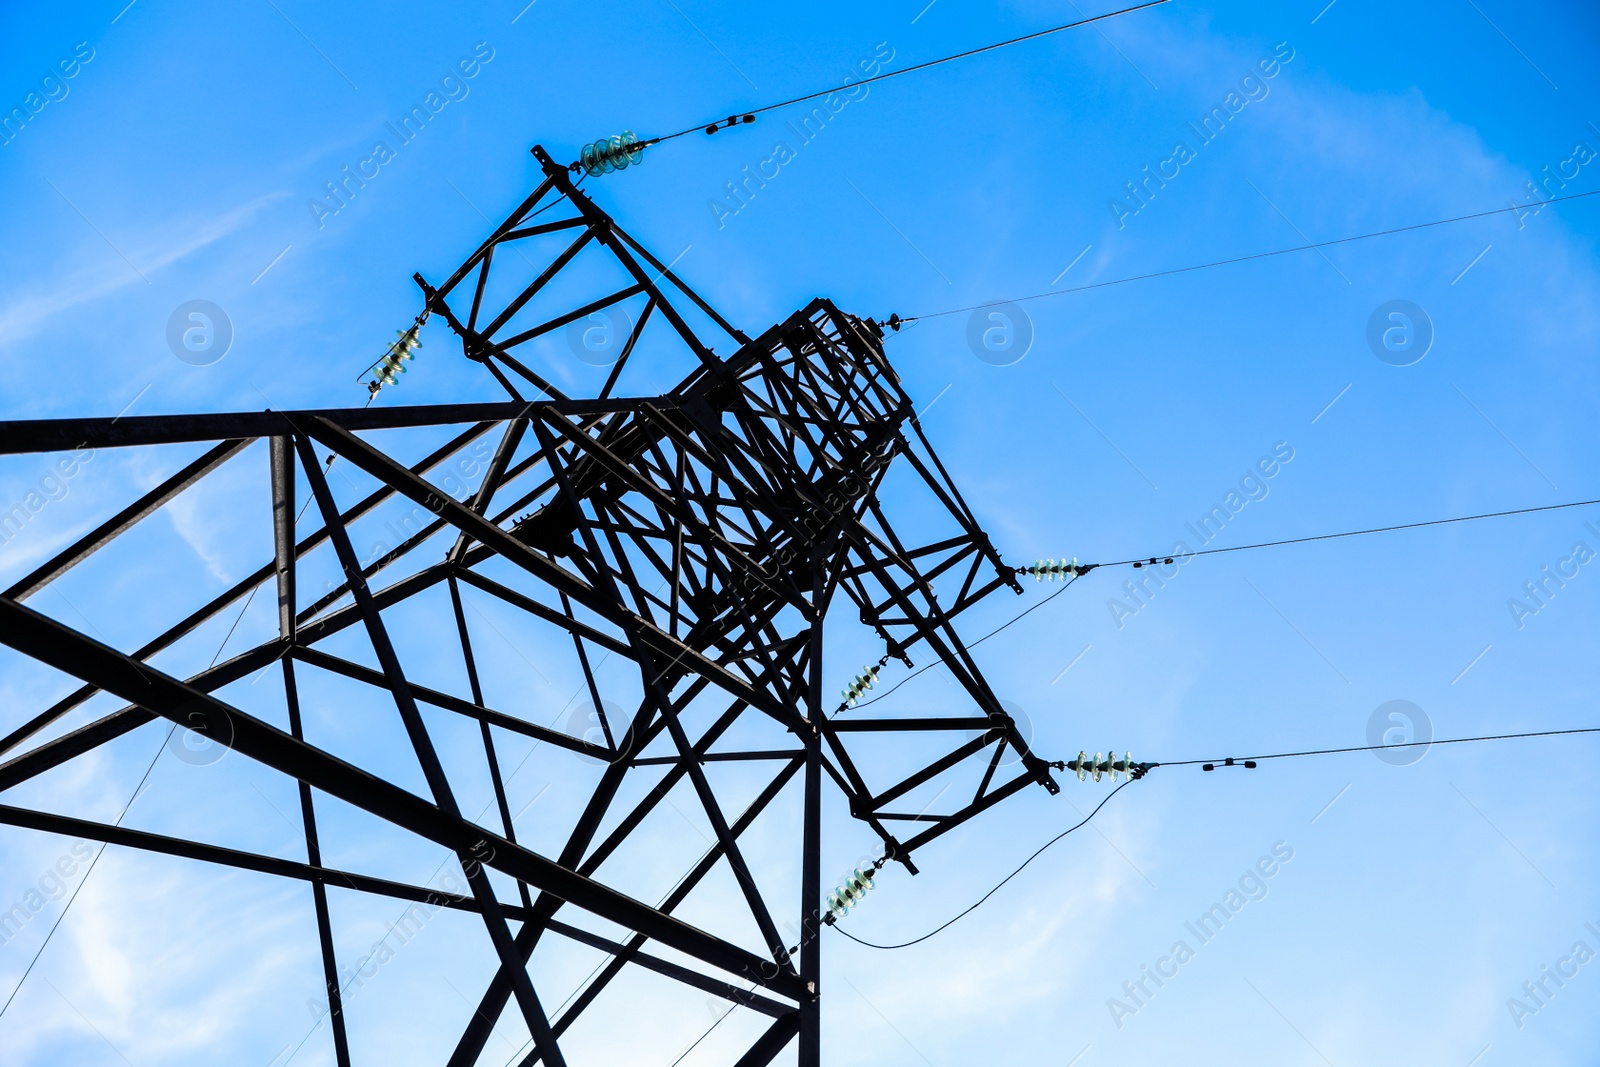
pixel 1248 764
pixel 1107 766
pixel 862 682
pixel 852 693
pixel 388 369
pixel 1048 570
pixel 848 894
pixel 730 122
pixel 616 152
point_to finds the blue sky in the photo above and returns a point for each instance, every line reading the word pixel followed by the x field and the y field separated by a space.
pixel 179 163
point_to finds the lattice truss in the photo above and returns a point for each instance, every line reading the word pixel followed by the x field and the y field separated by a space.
pixel 621 599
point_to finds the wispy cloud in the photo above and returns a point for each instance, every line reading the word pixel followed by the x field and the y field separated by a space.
pixel 85 283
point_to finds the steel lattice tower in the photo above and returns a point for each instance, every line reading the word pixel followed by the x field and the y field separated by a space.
pixel 699 535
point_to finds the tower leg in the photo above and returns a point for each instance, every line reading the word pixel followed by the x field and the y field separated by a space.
pixel 811 867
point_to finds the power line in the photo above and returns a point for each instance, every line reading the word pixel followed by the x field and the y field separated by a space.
pixel 1384 748
pixel 931 63
pixel 1240 259
pixel 974 644
pixel 749 116
pixel 1002 882
pixel 1232 761
pixel 1147 560
pixel 1239 547
pixel 165 741
pixel 707 1033
pixel 87 872
pixel 1209 763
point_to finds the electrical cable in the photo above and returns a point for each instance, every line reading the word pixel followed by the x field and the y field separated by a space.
pixel 1231 761
pixel 1019 615
pixel 1147 560
pixel 87 872
pixel 615 151
pixel 129 805
pixel 898 320
pixel 996 889
pixel 1383 748
pixel 974 644
pixel 707 1034
pixel 920 66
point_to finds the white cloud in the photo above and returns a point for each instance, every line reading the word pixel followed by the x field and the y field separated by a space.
pixel 88 282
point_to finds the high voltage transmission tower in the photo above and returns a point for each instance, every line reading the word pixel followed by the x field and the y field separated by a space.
pixel 672 549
